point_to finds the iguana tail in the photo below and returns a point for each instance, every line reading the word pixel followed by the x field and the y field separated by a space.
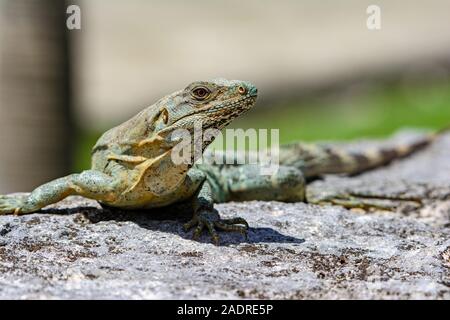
pixel 318 159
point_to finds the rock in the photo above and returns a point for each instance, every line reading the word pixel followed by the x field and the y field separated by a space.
pixel 76 250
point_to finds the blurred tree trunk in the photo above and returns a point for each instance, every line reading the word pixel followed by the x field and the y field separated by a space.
pixel 35 122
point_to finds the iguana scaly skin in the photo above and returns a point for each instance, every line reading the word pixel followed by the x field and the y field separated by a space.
pixel 132 166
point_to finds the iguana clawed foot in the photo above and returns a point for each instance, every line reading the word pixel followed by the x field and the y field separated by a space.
pixel 11 204
pixel 211 220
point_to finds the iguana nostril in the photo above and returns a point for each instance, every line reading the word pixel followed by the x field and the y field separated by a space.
pixel 253 91
pixel 242 90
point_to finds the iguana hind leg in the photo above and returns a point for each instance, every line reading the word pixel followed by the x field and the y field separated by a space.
pixel 245 183
pixel 91 184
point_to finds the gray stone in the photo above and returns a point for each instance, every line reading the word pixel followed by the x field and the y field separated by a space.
pixel 75 249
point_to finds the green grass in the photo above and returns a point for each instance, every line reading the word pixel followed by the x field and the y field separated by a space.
pixel 375 113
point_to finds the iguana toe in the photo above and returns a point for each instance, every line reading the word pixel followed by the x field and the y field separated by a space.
pixel 187 226
pixel 10 205
pixel 232 227
pixel 7 209
pixel 211 220
pixel 198 230
pixel 212 232
pixel 236 220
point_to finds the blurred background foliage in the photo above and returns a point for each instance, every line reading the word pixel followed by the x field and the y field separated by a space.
pixel 321 74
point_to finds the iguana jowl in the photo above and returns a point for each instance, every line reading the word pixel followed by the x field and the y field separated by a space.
pixel 132 166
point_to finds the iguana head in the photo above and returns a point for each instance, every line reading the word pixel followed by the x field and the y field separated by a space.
pixel 211 104
pixel 214 104
pixel 202 104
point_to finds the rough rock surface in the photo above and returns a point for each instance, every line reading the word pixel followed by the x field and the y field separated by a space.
pixel 75 249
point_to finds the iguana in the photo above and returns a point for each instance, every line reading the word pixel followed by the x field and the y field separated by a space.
pixel 132 167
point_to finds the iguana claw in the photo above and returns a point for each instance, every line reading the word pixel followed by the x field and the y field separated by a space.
pixel 211 220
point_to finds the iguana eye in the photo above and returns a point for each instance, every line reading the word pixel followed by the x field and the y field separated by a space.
pixel 201 93
pixel 242 90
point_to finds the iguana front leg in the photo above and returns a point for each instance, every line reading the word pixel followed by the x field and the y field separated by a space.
pixel 205 216
pixel 90 184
